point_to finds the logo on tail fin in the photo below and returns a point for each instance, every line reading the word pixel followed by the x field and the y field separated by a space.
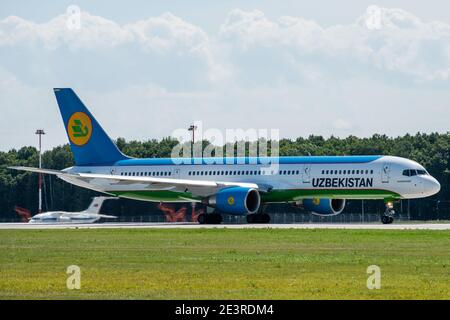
pixel 79 128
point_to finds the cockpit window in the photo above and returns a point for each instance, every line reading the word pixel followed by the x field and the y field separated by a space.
pixel 413 172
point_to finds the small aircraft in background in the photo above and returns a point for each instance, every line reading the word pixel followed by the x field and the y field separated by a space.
pixel 90 215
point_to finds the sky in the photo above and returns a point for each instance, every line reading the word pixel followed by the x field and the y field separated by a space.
pixel 147 69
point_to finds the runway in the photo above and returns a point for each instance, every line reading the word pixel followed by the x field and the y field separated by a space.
pixel 361 226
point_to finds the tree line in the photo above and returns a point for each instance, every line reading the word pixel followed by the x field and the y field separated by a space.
pixel 20 188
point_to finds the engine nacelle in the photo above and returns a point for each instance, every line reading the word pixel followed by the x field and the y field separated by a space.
pixel 324 207
pixel 236 200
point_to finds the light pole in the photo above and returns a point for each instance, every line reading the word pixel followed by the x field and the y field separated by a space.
pixel 192 128
pixel 40 132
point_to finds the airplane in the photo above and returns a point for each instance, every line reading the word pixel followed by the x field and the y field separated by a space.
pixel 90 215
pixel 235 185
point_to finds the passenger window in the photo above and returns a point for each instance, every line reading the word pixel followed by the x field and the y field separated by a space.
pixel 371 171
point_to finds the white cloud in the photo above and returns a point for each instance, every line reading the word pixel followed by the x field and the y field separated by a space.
pixel 95 32
pixel 145 78
pixel 167 32
pixel 402 43
pixel 162 35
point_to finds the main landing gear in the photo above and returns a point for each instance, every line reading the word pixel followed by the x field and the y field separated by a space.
pixel 388 216
pixel 258 218
pixel 209 218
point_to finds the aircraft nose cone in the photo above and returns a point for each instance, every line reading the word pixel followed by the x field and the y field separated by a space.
pixel 432 186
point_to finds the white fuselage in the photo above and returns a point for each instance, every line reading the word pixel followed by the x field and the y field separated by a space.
pixel 293 179
pixel 65 217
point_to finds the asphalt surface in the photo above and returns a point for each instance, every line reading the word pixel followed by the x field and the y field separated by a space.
pixel 115 225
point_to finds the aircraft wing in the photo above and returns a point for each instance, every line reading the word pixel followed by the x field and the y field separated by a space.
pixel 198 187
pixel 106 216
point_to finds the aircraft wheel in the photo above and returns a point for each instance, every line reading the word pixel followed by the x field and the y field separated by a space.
pixel 210 218
pixel 216 218
pixel 201 219
pixel 386 219
pixel 265 218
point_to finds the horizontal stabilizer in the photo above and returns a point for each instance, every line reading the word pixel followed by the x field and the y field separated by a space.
pixel 37 170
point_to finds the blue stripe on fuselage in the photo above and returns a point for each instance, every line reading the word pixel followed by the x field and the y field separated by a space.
pixel 248 160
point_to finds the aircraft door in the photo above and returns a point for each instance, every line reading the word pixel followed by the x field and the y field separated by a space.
pixel 306 173
pixel 385 172
pixel 176 173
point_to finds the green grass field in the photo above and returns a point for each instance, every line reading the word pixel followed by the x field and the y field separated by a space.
pixel 224 264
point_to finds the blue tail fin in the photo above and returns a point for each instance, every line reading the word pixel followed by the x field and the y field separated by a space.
pixel 89 142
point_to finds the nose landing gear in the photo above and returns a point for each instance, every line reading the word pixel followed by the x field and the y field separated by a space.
pixel 388 216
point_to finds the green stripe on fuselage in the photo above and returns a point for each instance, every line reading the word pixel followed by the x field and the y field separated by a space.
pixel 272 196
pixel 298 194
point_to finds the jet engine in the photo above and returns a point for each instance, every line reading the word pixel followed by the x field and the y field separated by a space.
pixel 324 207
pixel 236 200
